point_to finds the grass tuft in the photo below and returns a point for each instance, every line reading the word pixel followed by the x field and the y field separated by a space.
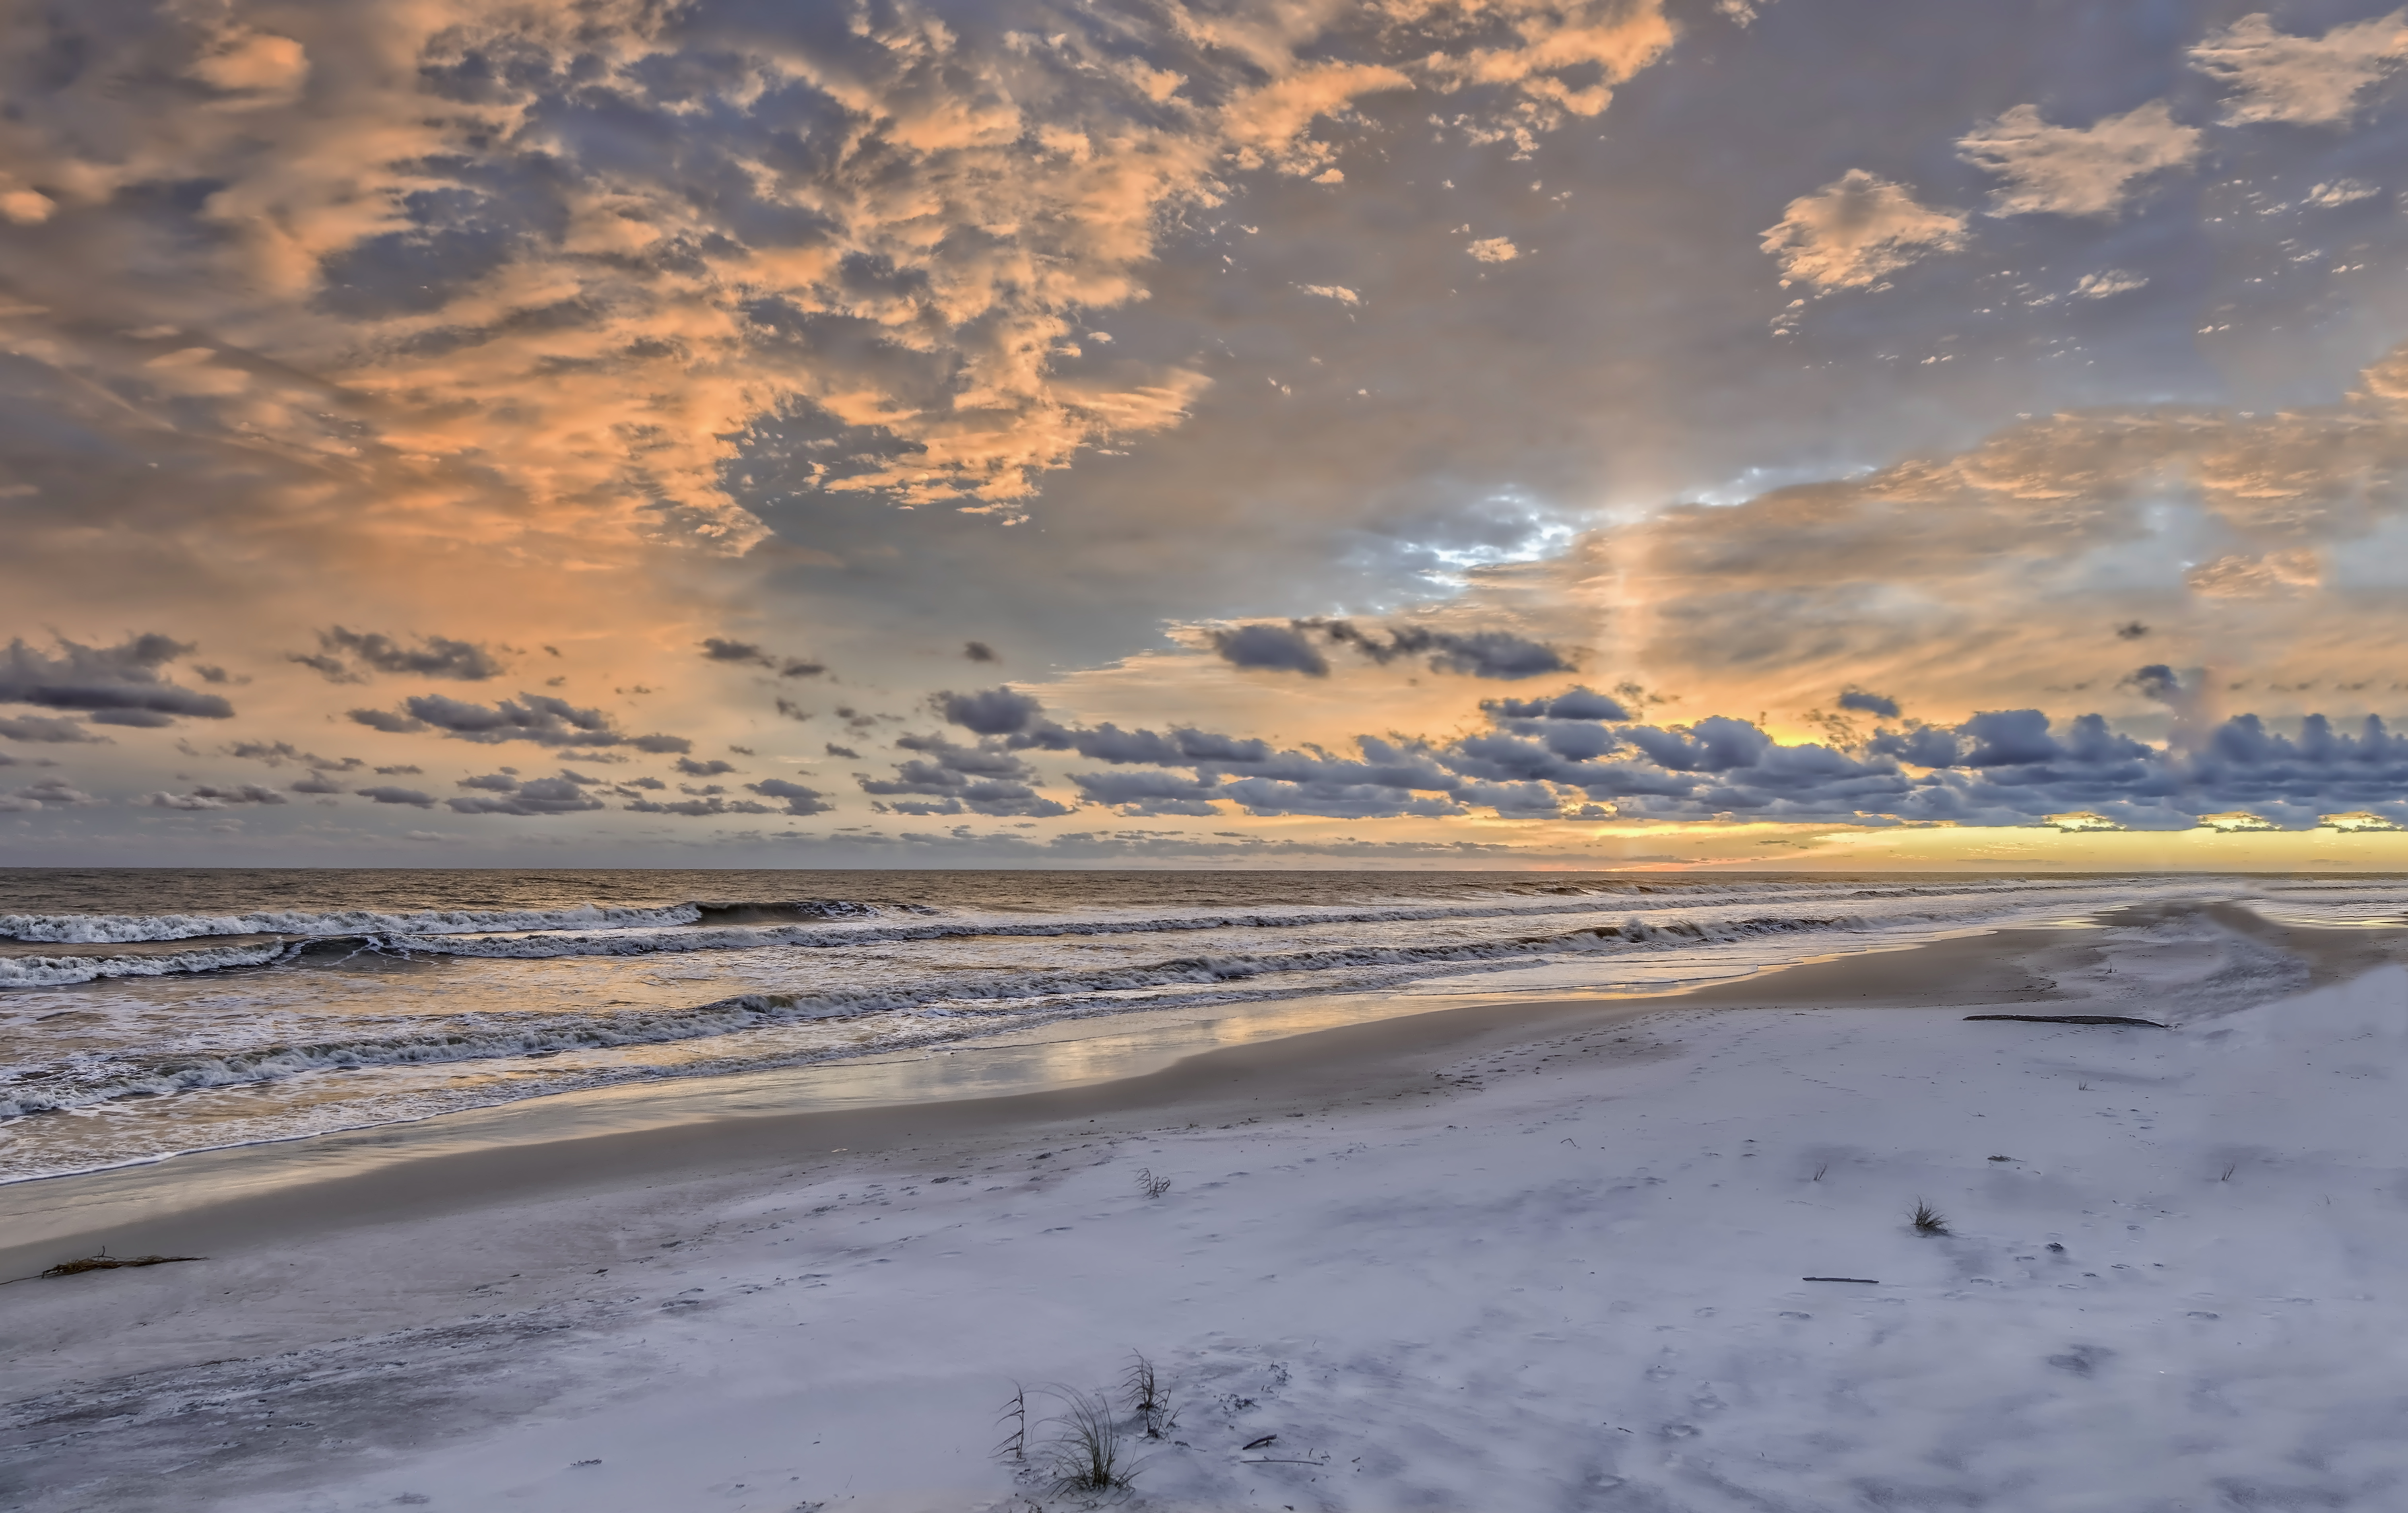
pixel 1088 1452
pixel 1014 1446
pixel 1150 1184
pixel 1146 1398
pixel 1927 1219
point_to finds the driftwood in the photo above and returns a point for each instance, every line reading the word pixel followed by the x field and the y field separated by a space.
pixel 2070 1019
pixel 1869 1281
pixel 107 1262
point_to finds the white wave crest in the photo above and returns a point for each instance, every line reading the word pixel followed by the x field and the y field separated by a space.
pixel 63 970
pixel 116 930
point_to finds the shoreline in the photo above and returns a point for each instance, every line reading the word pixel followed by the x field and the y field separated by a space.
pixel 231 1197
pixel 511 1151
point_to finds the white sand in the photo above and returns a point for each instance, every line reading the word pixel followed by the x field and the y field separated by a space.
pixel 1566 1276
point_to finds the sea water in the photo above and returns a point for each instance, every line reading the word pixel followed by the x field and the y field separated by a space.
pixel 149 1012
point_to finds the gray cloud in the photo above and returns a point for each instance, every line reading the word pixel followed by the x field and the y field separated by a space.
pixel 1274 648
pixel 713 768
pixel 48 729
pixel 120 683
pixel 1578 755
pixel 435 657
pixel 539 718
pixel 719 649
pixel 699 807
pixel 503 793
pixel 798 799
pixel 208 797
pixel 277 753
pixel 388 794
pixel 1864 702
pixel 951 779
pixel 978 651
pixel 1291 648
pixel 989 711
pixel 1479 653
pixel 51 793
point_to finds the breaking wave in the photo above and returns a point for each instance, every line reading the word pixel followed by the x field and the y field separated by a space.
pixel 125 929
pixel 63 970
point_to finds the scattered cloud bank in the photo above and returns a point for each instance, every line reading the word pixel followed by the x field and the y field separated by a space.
pixel 1581 756
pixel 571 253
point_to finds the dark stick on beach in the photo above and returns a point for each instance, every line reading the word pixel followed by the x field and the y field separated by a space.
pixel 1869 1281
pixel 2069 1019
pixel 105 1261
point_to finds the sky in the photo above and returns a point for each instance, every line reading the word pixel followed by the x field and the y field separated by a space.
pixel 1317 433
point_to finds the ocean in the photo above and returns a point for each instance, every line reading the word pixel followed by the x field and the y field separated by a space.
pixel 145 1013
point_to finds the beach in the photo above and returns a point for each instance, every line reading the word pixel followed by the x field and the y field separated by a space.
pixel 1543 1255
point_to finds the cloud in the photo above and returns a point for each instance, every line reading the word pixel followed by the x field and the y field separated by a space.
pixel 1494 250
pixel 1271 647
pixel 537 717
pixel 503 793
pixel 951 779
pixel 2157 681
pixel 1292 648
pixel 435 657
pixel 713 768
pixel 2249 575
pixel 798 799
pixel 2077 171
pixel 2108 282
pixel 2081 822
pixel 2339 192
pixel 989 711
pixel 1863 702
pixel 52 793
pixel 1573 704
pixel 388 794
pixel 700 807
pixel 2306 82
pixel 317 783
pixel 1857 230
pixel 1331 291
pixel 718 649
pixel 216 798
pixel 978 651
pixel 121 683
pixel 1479 653
pixel 441 263
pixel 2359 822
pixel 1579 755
pixel 277 753
pixel 47 729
